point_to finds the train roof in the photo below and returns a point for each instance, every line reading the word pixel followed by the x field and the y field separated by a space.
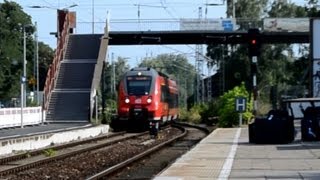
pixel 147 70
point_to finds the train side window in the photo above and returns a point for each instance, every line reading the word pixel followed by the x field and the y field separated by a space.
pixel 176 100
pixel 171 100
pixel 163 93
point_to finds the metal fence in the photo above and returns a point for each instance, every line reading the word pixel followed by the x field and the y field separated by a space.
pixel 219 24
pixel 164 25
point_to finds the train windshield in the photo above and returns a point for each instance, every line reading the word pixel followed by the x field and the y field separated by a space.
pixel 138 85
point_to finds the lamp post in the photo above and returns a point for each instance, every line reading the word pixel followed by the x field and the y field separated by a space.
pixel 35 79
pixel 24 94
pixel 23 80
pixel 25 62
pixel 24 75
pixel 234 8
pixel 37 62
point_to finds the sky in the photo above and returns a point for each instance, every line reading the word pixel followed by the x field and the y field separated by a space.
pixel 124 15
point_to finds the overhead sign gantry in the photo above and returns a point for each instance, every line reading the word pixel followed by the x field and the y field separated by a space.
pixel 201 37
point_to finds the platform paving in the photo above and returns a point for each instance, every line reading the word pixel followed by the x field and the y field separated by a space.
pixel 297 160
pixel 227 154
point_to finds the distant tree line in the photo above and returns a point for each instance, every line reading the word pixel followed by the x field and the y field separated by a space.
pixel 13 20
pixel 279 71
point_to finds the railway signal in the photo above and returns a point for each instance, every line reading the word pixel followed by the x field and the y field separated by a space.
pixel 254 42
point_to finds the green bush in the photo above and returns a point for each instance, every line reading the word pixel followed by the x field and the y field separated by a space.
pixel 209 112
pixel 31 103
pixel 228 117
pixel 183 114
pixel 110 111
pixel 49 152
pixel 201 113
pixel 192 116
pixel 195 116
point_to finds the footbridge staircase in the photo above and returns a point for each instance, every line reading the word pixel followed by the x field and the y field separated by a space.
pixel 74 76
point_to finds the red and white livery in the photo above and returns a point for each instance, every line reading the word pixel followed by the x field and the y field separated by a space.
pixel 146 99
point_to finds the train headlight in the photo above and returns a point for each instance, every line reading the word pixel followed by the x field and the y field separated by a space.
pixel 127 100
pixel 149 100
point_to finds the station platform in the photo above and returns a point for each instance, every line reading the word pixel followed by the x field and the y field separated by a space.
pixel 14 132
pixel 227 154
pixel 17 139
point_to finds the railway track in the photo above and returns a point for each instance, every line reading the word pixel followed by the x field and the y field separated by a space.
pixel 85 158
pixel 148 164
pixel 27 160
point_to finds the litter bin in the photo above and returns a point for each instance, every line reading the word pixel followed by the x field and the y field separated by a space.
pixel 310 129
pixel 276 128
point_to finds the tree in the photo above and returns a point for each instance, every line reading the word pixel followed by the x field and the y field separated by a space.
pixel 12 20
pixel 281 9
pixel 113 76
pixel 277 66
pixel 235 68
pixel 13 23
pixel 312 8
pixel 246 8
pixel 216 52
pixel 46 55
pixel 228 117
pixel 178 68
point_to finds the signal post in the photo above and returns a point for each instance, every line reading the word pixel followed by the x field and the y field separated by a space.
pixel 254 44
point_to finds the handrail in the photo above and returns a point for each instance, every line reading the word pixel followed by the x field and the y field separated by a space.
pixel 53 68
pixel 98 67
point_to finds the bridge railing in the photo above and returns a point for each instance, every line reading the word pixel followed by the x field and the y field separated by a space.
pixel 98 69
pixel 166 24
pixel 54 67
pixel 220 24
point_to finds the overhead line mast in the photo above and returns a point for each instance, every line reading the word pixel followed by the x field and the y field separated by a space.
pixel 199 65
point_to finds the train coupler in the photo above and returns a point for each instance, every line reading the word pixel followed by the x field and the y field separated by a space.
pixel 154 128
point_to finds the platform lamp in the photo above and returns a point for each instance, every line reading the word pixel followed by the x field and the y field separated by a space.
pixel 24 75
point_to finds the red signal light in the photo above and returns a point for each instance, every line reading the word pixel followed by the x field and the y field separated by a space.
pixel 254 42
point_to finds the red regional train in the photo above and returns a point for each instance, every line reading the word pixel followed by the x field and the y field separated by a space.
pixel 147 99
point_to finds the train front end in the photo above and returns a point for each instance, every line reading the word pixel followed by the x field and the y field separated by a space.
pixel 137 100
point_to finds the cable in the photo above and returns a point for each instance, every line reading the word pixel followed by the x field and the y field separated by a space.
pixel 192 55
pixel 47 2
pixel 205 57
pixel 177 51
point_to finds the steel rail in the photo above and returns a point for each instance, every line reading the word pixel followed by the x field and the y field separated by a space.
pixel 175 123
pixel 63 156
pixel 137 157
pixel 25 155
